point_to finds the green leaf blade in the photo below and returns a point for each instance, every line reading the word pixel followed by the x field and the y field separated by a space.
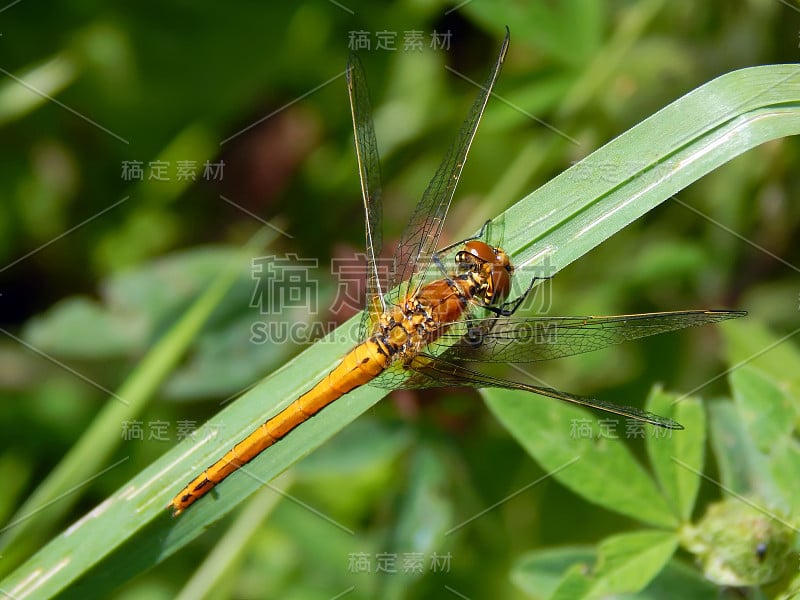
pixel 767 411
pixel 629 562
pixel 601 470
pixel 678 457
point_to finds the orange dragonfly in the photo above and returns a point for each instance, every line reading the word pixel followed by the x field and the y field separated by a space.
pixel 430 324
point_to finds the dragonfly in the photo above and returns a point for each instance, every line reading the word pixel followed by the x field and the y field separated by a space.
pixel 433 324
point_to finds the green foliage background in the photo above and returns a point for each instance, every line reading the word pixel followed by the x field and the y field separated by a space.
pixel 88 86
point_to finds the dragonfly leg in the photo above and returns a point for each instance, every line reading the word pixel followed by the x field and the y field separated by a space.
pixel 506 309
pixel 482 232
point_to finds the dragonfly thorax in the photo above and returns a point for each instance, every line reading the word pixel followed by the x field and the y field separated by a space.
pixel 483 277
pixel 404 330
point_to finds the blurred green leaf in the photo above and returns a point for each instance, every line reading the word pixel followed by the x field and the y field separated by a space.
pixel 136 303
pixel 753 437
pixel 425 516
pixel 678 456
pixel 362 447
pixel 600 469
pixel 16 472
pixel 754 344
pixel 766 410
pixel 755 442
pixel 742 468
pixel 628 562
pixel 363 455
pixel 539 573
pixel 792 590
pixel 784 467
pixel 575 583
pixel 678 580
pixel 594 78
pixel 82 328
pixel 666 261
pixel 29 89
pixel 569 31
pixel 228 354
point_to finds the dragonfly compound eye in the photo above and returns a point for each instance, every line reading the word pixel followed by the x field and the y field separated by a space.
pixel 481 250
pixel 501 274
pixel 501 280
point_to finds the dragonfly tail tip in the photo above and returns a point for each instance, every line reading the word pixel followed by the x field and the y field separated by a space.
pixel 176 510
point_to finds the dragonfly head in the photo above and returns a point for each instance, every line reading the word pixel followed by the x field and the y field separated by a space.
pixel 492 265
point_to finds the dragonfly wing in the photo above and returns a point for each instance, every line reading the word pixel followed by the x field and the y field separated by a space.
pixel 529 340
pixel 370 177
pixel 431 371
pixel 421 236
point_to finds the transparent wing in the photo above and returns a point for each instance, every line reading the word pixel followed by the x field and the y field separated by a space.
pixel 529 340
pixel 520 340
pixel 421 236
pixel 429 371
pixel 369 175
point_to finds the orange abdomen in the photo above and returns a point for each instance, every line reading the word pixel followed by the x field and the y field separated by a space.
pixel 358 367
